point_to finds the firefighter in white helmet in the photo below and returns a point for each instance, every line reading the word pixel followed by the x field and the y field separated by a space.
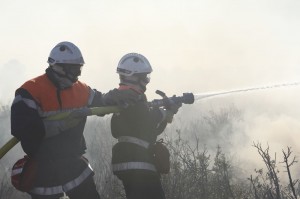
pixel 55 148
pixel 137 128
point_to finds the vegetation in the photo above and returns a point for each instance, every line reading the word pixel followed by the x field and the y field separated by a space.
pixel 201 167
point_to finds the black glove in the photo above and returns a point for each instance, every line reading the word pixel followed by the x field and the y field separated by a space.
pixel 173 106
pixel 122 98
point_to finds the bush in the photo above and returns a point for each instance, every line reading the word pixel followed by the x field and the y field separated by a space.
pixel 200 169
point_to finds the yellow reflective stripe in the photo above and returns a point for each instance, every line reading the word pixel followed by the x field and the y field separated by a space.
pixel 133 165
pixel 63 188
pixel 66 111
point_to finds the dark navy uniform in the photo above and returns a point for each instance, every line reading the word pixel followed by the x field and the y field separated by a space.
pixel 136 129
pixel 56 146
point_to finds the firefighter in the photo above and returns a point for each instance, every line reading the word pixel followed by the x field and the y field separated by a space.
pixel 56 148
pixel 136 129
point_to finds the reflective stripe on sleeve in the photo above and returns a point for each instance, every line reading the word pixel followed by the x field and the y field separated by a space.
pixel 134 140
pixel 133 165
pixel 30 103
pixel 91 96
pixel 63 188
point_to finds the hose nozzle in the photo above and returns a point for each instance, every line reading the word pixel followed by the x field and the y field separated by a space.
pixel 186 98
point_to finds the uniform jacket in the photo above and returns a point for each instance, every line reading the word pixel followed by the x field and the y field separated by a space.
pixel 141 122
pixel 56 146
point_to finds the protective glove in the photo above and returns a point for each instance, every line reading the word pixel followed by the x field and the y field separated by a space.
pixel 170 109
pixel 122 98
pixel 173 106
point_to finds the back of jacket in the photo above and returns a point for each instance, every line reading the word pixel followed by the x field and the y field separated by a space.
pixel 55 145
pixel 139 121
pixel 38 99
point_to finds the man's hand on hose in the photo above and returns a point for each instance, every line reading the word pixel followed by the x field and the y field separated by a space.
pixel 170 110
pixel 173 106
pixel 121 98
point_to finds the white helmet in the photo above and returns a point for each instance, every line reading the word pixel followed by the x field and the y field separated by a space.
pixel 133 63
pixel 65 53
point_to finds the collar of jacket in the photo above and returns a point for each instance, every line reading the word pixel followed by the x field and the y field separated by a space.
pixel 126 87
pixel 59 82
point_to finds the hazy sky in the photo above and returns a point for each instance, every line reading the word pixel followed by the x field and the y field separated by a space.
pixel 193 45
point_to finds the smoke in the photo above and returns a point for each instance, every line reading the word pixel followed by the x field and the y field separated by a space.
pixel 268 117
pixel 194 46
pixel 12 75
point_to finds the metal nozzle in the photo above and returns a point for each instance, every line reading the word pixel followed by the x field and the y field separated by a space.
pixel 188 98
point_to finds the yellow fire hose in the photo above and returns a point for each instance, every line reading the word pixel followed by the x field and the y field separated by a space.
pixel 60 116
pixel 186 98
pixel 9 145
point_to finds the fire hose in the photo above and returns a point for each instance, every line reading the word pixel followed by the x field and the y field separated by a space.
pixel 186 98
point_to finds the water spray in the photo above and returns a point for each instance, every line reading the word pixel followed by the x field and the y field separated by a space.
pixel 186 98
pixel 189 98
